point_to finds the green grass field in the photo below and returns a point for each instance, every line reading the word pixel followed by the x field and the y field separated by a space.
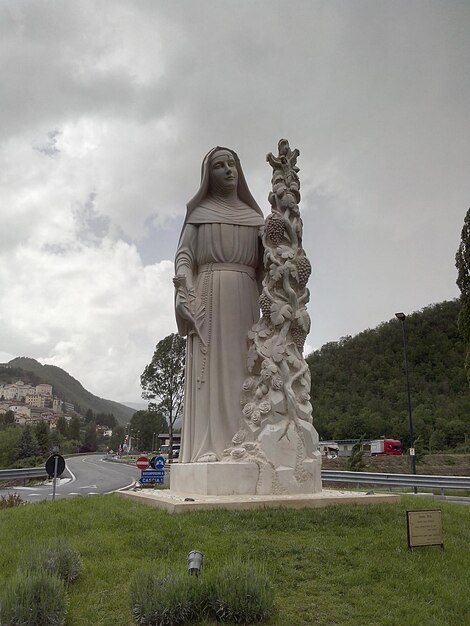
pixel 345 565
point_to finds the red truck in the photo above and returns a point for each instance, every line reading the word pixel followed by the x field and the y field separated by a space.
pixel 386 446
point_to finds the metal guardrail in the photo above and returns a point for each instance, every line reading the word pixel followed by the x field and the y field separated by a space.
pixel 401 480
pixel 23 473
pixel 368 478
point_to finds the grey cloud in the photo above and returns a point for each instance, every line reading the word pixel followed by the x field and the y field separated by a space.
pixel 49 148
pixel 375 94
pixel 92 227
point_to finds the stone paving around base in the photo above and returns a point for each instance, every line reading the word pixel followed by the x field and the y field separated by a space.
pixel 185 502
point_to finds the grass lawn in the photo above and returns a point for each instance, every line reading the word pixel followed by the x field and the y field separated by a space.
pixel 345 565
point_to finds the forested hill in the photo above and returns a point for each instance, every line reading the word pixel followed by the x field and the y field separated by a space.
pixel 64 386
pixel 359 386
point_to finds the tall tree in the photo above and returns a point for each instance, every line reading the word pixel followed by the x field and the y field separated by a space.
pixel 117 438
pixel 356 460
pixel 56 440
pixel 27 445
pixel 162 381
pixel 62 427
pixel 106 419
pixel 74 428
pixel 462 263
pixel 147 424
pixel 9 441
pixel 90 442
pixel 9 418
pixel 42 437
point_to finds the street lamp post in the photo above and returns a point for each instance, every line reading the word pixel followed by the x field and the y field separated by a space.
pixel 402 318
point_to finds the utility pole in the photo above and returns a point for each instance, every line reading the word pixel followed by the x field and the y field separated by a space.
pixel 402 318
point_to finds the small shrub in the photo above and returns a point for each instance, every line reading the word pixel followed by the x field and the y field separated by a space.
pixel 167 598
pixel 356 461
pixel 30 461
pixel 59 559
pixel 237 593
pixel 242 594
pixel 11 500
pixel 35 599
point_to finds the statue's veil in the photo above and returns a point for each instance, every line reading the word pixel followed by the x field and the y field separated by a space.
pixel 243 192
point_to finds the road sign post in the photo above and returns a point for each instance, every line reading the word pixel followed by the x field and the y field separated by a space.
pixel 55 466
pixel 54 483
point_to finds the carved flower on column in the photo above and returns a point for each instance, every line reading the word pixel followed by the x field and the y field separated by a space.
pixel 238 453
pixel 304 396
pixel 277 382
pixel 239 437
pixel 268 370
pixel 248 409
pixel 248 383
pixel 264 406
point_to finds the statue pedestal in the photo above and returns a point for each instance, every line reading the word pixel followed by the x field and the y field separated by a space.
pixel 244 479
pixel 214 479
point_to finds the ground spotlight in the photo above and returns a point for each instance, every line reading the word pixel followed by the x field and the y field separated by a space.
pixel 195 559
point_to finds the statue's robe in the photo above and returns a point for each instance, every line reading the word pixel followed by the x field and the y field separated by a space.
pixel 220 251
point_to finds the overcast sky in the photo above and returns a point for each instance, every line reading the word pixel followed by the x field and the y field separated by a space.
pixel 107 108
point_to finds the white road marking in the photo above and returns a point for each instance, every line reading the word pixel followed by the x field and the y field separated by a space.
pixel 60 481
pixel 131 484
pixel 71 473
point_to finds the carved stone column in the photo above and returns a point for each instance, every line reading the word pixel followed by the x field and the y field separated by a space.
pixel 276 431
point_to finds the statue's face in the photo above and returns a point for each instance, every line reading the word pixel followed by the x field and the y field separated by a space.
pixel 223 171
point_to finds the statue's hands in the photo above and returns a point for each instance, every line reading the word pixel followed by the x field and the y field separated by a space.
pixel 183 300
pixel 185 306
pixel 183 310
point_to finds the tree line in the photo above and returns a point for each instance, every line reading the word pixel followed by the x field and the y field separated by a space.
pixel 358 383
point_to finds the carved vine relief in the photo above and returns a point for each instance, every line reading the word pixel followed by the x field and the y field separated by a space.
pixel 277 390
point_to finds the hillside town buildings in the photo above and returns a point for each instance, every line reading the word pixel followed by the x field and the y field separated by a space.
pixel 31 404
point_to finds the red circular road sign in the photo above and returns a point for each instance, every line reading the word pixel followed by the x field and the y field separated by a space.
pixel 142 462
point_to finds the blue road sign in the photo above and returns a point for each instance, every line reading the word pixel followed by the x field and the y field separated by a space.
pixel 152 476
pixel 157 462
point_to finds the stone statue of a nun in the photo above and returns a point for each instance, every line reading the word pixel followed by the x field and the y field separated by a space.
pixel 218 265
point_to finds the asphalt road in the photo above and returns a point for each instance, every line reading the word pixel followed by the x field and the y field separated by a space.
pixel 83 476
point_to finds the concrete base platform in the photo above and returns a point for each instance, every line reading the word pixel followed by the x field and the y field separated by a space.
pixel 182 503
pixel 214 479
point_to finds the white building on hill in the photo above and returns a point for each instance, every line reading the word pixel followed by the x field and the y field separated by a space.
pixel 16 391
